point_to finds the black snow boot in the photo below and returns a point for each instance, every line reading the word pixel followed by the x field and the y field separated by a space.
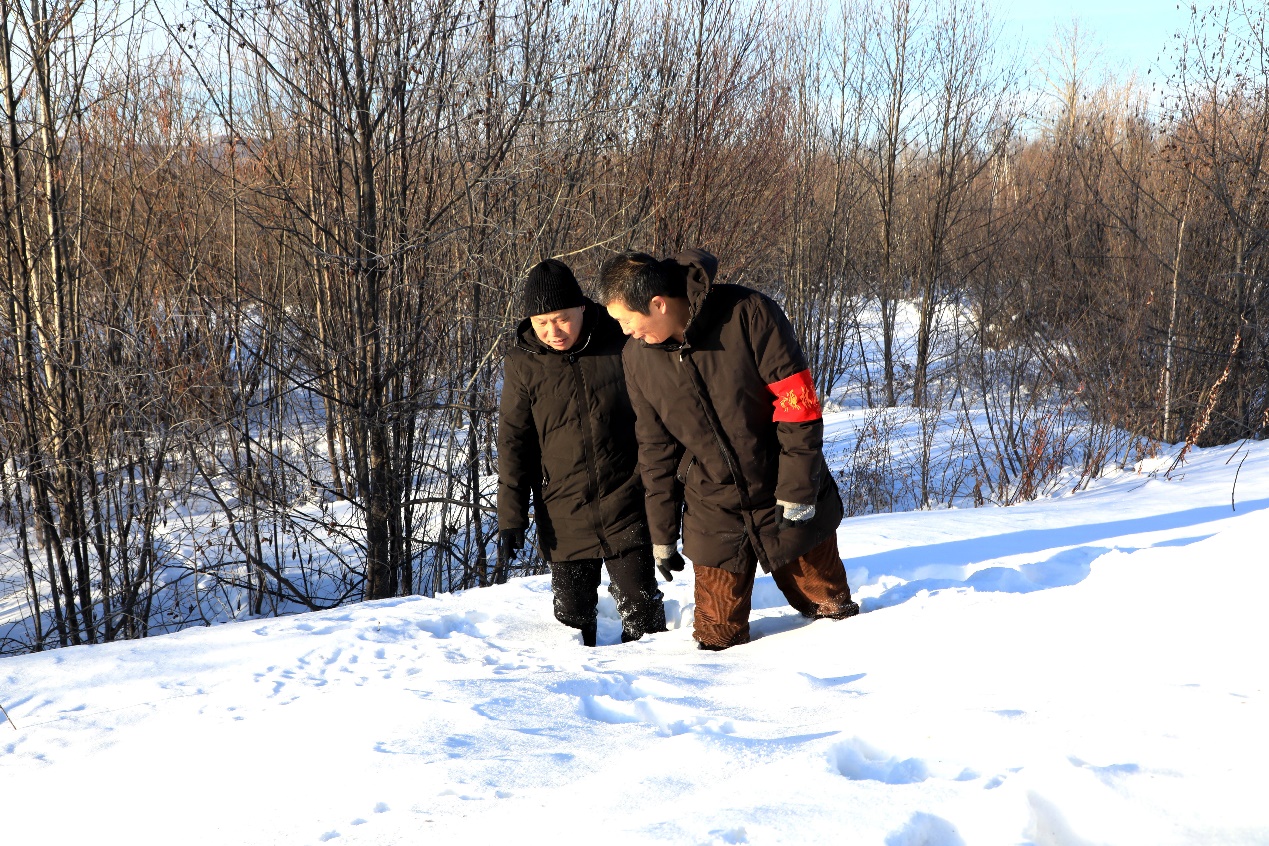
pixel 633 585
pixel 588 634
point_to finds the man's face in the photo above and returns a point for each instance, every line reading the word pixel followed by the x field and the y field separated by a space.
pixel 559 330
pixel 665 320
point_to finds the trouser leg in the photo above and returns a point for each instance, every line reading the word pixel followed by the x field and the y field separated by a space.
pixel 575 587
pixel 723 601
pixel 632 582
pixel 815 584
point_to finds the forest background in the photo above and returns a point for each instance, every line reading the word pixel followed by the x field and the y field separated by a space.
pixel 261 261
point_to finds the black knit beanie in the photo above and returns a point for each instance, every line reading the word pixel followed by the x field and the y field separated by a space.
pixel 551 286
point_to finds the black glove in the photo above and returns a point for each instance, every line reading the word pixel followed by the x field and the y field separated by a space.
pixel 669 565
pixel 510 542
pixel 793 515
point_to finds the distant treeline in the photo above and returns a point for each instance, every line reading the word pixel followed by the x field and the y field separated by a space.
pixel 262 258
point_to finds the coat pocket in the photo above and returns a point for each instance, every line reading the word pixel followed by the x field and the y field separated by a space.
pixel 685 467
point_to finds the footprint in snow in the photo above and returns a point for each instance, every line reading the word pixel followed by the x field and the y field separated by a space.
pixel 451 624
pixel 501 667
pixel 926 830
pixel 1109 775
pixel 669 719
pixel 310 628
pixel 619 686
pixel 859 760
pixel 827 683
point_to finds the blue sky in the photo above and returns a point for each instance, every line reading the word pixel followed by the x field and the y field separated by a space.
pixel 1130 33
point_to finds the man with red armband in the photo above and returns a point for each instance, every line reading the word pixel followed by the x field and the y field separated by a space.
pixel 730 439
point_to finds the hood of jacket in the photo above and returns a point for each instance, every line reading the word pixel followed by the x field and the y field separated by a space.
pixel 700 267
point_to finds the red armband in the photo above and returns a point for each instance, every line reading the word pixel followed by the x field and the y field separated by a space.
pixel 795 400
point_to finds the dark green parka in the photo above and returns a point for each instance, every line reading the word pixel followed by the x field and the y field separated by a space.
pixel 566 441
pixel 728 423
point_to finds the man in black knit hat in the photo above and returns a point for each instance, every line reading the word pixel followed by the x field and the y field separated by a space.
pixel 566 443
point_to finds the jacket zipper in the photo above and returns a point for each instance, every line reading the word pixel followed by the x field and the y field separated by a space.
pixel 588 453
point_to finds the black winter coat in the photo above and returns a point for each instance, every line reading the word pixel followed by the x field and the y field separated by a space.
pixel 566 441
pixel 728 423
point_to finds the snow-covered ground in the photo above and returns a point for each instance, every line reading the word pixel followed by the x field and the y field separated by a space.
pixel 1087 668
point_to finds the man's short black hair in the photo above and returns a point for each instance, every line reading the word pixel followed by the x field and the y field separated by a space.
pixel 633 279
